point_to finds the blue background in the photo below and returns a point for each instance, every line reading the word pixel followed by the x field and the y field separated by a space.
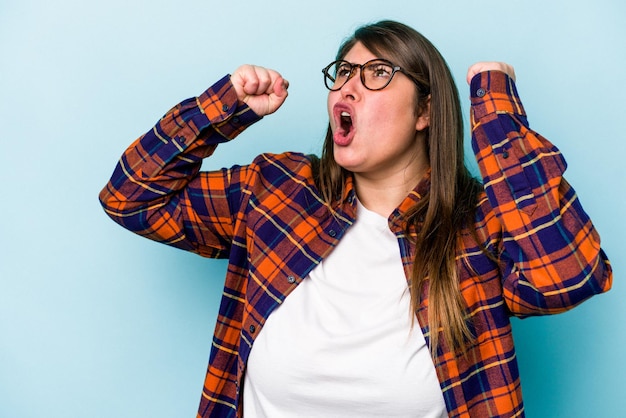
pixel 97 322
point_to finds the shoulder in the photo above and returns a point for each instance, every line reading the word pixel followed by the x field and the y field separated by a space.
pixel 284 168
pixel 288 162
pixel 289 159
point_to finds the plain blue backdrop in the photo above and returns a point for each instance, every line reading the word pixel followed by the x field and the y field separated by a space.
pixel 97 322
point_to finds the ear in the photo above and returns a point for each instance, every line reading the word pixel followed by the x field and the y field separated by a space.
pixel 423 120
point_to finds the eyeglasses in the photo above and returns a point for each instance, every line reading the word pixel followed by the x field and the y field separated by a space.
pixel 376 74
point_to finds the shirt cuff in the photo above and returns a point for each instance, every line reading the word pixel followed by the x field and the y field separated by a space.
pixel 219 104
pixel 494 92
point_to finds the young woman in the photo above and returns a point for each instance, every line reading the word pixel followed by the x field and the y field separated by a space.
pixel 379 279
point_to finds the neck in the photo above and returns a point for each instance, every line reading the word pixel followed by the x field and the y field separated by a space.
pixel 383 195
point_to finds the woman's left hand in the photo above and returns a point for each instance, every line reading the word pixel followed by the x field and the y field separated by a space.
pixel 479 67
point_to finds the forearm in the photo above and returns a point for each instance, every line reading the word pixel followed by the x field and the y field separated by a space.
pixel 158 167
pixel 551 250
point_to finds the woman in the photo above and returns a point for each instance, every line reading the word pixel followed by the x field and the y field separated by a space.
pixel 383 237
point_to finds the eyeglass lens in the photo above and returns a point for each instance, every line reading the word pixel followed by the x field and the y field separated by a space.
pixel 375 74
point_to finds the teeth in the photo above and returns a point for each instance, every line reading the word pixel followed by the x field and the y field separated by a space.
pixel 345 114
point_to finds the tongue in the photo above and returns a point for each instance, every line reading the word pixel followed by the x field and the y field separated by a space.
pixel 343 137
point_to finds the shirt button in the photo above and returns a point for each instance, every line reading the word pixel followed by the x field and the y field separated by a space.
pixel 291 279
pixel 505 154
pixel 236 120
pixel 225 107
pixel 252 329
pixel 481 92
pixel 332 233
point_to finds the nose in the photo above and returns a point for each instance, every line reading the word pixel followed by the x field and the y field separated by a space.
pixel 351 86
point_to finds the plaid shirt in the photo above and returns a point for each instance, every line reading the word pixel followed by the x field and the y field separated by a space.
pixel 269 220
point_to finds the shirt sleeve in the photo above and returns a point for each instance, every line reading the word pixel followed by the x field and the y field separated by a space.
pixel 550 253
pixel 157 189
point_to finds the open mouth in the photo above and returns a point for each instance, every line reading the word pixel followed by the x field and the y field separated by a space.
pixel 345 122
pixel 345 128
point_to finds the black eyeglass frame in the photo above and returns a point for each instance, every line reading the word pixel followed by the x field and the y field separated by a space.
pixel 394 69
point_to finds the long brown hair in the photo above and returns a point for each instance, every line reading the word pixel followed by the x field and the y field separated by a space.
pixel 436 220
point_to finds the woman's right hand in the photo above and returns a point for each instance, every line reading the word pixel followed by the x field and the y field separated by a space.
pixel 262 89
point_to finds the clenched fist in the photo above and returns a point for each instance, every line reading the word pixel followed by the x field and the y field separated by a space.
pixel 479 67
pixel 262 89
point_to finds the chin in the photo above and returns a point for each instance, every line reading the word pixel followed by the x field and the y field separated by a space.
pixel 348 164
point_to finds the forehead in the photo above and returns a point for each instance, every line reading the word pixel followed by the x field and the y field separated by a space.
pixel 358 54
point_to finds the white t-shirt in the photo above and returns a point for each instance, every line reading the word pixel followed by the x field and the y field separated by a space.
pixel 341 344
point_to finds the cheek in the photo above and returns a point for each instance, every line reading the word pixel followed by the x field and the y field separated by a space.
pixel 403 112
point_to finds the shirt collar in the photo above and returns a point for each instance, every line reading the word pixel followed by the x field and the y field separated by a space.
pixel 349 199
pixel 421 189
